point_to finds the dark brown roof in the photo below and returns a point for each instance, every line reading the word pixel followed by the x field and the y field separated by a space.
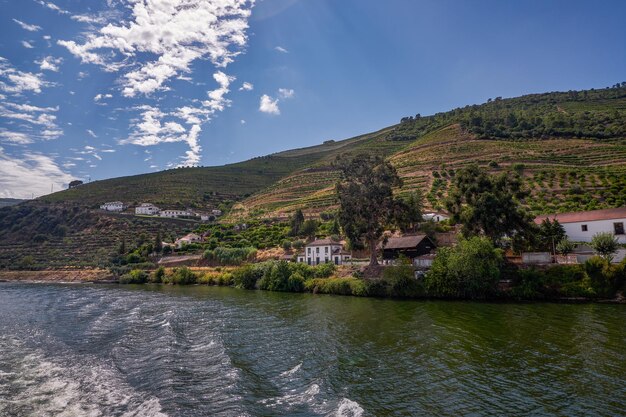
pixel 323 242
pixel 403 242
pixel 585 216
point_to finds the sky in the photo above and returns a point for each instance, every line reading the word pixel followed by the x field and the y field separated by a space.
pixel 98 89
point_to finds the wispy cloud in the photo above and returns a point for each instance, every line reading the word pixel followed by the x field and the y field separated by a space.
pixel 32 173
pixel 14 81
pixel 286 93
pixel 91 133
pixel 246 86
pixel 27 45
pixel 281 49
pixel 26 26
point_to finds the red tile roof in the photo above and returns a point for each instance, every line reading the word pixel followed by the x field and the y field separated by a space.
pixel 324 242
pixel 585 216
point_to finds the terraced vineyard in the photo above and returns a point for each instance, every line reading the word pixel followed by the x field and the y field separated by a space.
pixel 563 174
pixel 73 237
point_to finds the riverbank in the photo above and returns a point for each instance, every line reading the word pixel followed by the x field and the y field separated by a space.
pixel 73 276
pixel 344 286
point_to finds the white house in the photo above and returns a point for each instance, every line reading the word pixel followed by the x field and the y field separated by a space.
pixel 147 209
pixel 581 226
pixel 175 213
pixel 188 239
pixel 435 216
pixel 324 251
pixel 216 212
pixel 113 206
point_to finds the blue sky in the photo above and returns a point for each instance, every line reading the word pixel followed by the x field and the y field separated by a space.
pixel 108 88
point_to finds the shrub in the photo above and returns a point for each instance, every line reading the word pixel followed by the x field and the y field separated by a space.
pixel 324 270
pixel 469 270
pixel 230 256
pixel 604 278
pixel 136 276
pixel 247 276
pixel 276 278
pixel 605 244
pixel 295 283
pixel 402 282
pixel 158 275
pixel 338 286
pixel 182 276
pixel 528 284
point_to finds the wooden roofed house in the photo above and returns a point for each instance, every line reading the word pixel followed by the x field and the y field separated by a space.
pixel 411 246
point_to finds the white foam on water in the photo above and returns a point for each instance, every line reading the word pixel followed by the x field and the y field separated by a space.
pixel 291 371
pixel 348 408
pixel 77 387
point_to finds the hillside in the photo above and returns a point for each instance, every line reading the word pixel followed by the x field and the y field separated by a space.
pixel 570 148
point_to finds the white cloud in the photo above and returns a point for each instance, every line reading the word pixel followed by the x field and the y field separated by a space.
pixel 246 86
pixel 177 31
pixel 26 26
pixel 52 6
pixel 269 105
pixel 27 45
pixel 286 93
pixel 281 49
pixel 91 133
pixel 32 173
pixel 49 63
pixel 16 138
pixel 99 97
pixel 243 122
pixel 17 81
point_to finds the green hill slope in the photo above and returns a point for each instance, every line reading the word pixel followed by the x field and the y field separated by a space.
pixel 570 148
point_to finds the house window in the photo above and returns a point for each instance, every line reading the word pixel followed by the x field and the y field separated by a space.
pixel 317 250
pixel 317 261
pixel 308 260
pixel 584 227
pixel 336 260
pixel 326 249
pixel 308 250
pixel 619 228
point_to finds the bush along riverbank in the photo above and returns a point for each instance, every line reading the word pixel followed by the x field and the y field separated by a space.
pixel 472 270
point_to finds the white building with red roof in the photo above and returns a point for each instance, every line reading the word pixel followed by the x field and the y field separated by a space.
pixel 581 226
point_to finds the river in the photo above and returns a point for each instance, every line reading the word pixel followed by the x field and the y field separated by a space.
pixel 109 350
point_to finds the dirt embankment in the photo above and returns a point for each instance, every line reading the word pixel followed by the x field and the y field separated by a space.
pixel 89 275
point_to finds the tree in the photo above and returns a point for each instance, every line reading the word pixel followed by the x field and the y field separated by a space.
pixel 605 244
pixel 309 228
pixel 158 243
pixel 297 221
pixel 488 204
pixel 408 211
pixel 365 193
pixel 550 233
pixel 74 183
pixel 565 246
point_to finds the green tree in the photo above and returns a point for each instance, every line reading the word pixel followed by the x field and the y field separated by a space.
pixel 469 270
pixel 309 228
pixel 158 243
pixel 297 221
pixel 550 233
pixel 409 211
pixel 366 198
pixel 488 204
pixel 605 244
pixel 565 246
